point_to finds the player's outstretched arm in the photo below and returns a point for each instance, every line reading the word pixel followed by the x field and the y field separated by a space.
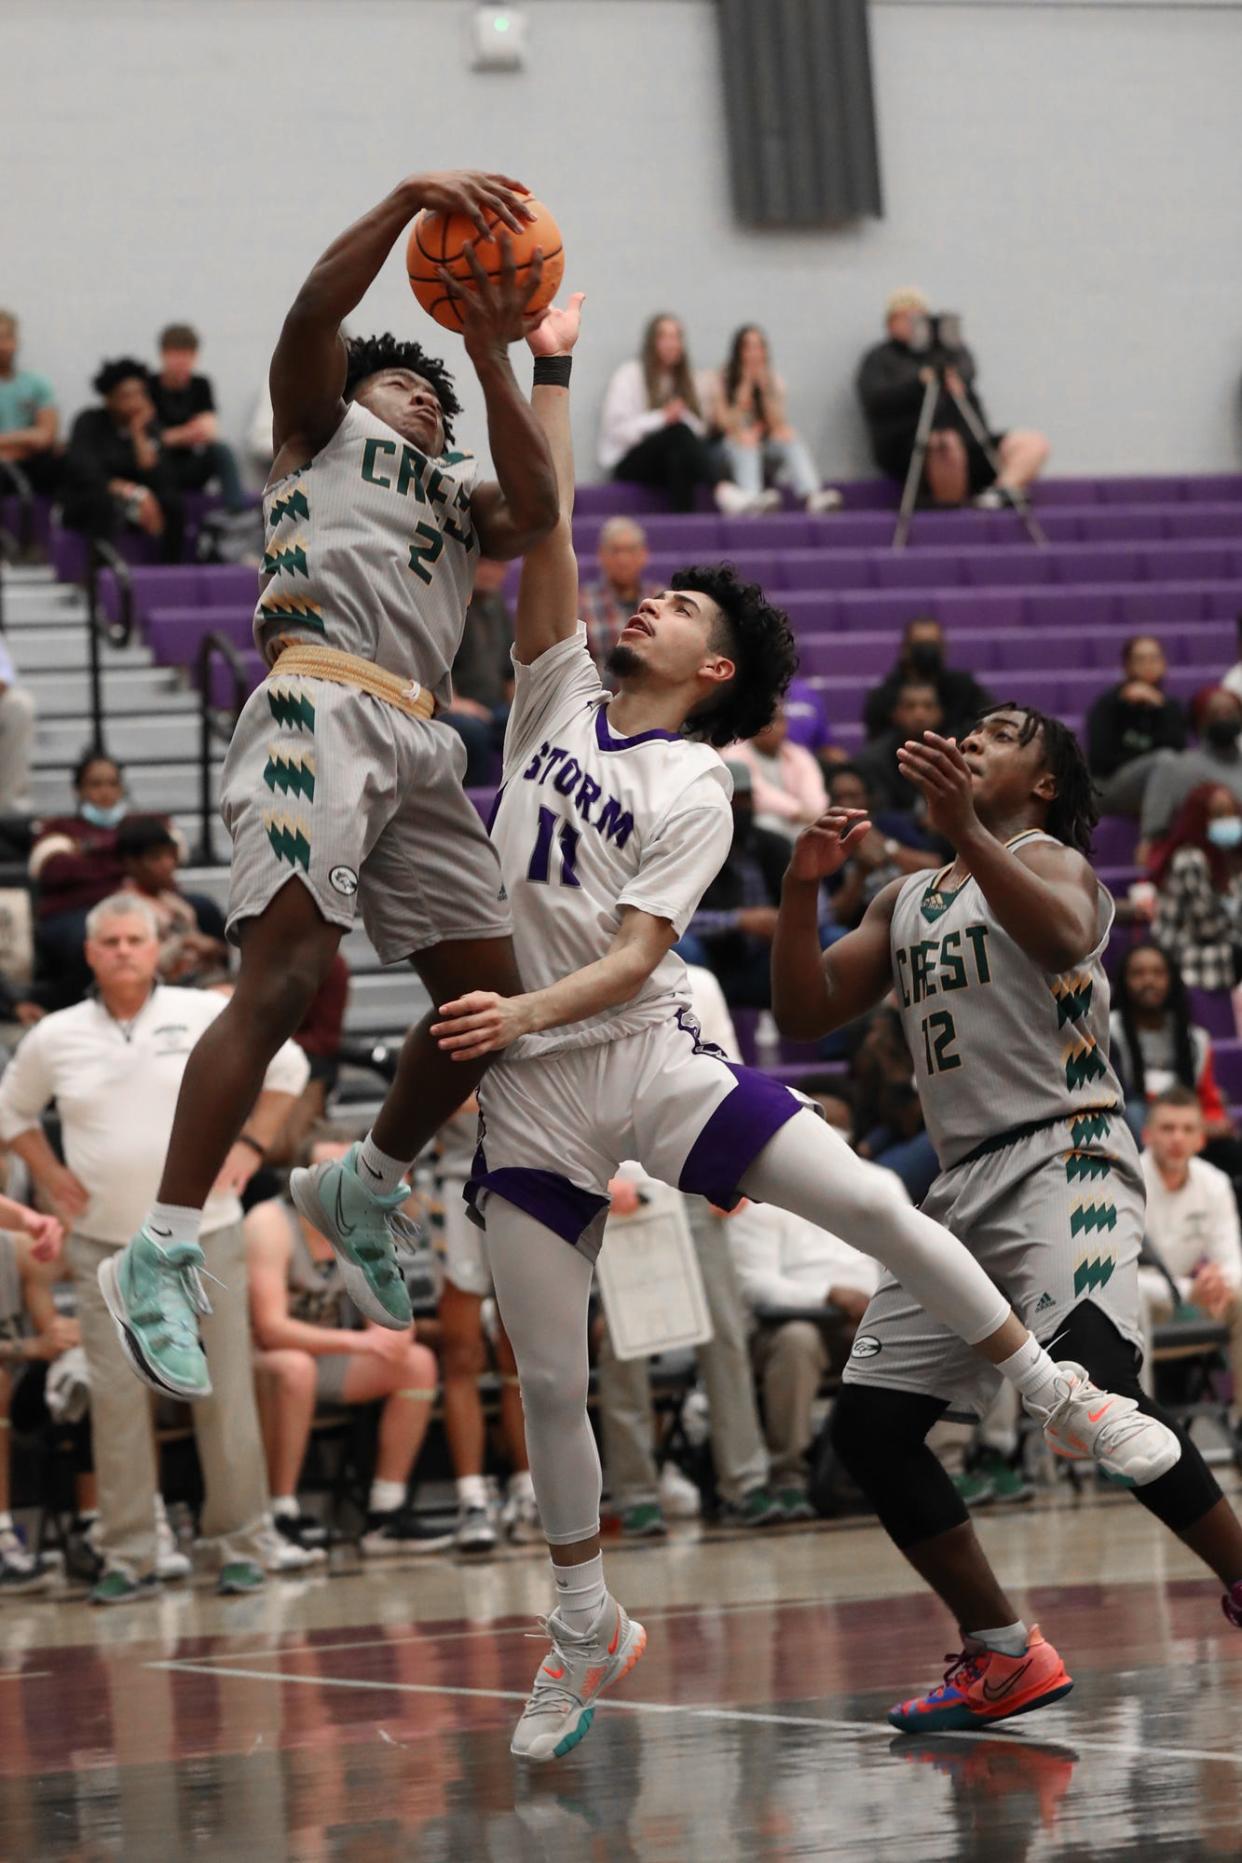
pixel 814 991
pixel 1045 896
pixel 482 1023
pixel 520 506
pixel 308 367
pixel 547 609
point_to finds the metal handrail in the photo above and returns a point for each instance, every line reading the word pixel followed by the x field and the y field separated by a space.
pixel 101 555
pixel 213 645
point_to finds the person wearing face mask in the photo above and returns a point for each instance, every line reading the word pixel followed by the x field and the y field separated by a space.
pixel 74 864
pixel 1217 718
pixel 962 698
pixel 1198 874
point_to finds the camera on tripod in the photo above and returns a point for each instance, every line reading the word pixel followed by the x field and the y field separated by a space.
pixel 937 336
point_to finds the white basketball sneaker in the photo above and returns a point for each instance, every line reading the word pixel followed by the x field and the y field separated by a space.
pixel 571 1677
pixel 1087 1424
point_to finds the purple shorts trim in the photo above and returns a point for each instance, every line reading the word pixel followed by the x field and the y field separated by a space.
pixel 734 1136
pixel 574 1214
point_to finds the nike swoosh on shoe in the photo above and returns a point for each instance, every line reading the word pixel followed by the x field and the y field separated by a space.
pixel 1006 1687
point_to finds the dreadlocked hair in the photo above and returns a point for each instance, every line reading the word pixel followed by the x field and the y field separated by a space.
pixel 1176 1010
pixel 120 369
pixel 367 355
pixel 758 639
pixel 1075 809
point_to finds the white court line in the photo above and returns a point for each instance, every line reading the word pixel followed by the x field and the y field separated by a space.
pixel 1125 1748
pixel 23 1675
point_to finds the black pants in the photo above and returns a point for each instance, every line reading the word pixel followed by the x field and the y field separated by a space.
pixel 675 459
pixel 93 510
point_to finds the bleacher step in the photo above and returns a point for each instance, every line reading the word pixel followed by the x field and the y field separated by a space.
pixel 156 788
pixel 67 693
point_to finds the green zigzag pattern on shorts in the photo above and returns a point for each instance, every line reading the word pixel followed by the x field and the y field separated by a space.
pixel 292 710
pixel 1088 1126
pixel 1090 1216
pixel 1086 1164
pixel 289 844
pixel 289 776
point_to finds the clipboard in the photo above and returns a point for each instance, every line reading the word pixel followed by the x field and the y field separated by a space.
pixel 649 1278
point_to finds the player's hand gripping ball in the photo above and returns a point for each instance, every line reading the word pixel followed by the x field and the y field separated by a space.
pixel 439 240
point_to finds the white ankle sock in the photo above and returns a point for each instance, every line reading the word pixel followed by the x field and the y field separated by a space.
pixel 380 1173
pixel 285 1507
pixel 580 1593
pixel 386 1496
pixel 1034 1374
pixel 472 1491
pixel 6 1522
pixel 1009 1640
pixel 521 1487
pixel 173 1222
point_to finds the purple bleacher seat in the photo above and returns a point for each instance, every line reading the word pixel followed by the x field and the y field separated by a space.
pixel 484 801
pixel 909 569
pixel 615 498
pixel 688 537
pixel 851 656
pixel 1077 608
pixel 221 687
pixel 1187 561
pixel 1213 1010
pixel 825 569
pixel 810 610
pixel 784 530
pixel 1018 648
pixel 755 565
pixel 1090 564
pixel 1061 492
pixel 40 519
pixel 1192 520
pixel 1212 486
pixel 1222 601
pixel 1142 491
pixel 173 634
pixel 1020 567
pixel 879 611
pixel 1115 838
pixel 871 495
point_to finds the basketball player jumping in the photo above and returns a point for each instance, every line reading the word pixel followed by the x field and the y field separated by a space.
pixel 997 963
pixel 614 817
pixel 340 787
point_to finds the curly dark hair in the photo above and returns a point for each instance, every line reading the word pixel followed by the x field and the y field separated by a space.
pixel 755 635
pixel 1177 1014
pixel 367 355
pixel 120 369
pixel 1075 809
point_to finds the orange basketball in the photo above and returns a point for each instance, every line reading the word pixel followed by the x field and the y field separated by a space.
pixel 438 239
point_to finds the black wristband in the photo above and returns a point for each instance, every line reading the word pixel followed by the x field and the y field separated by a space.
pixel 553 371
pixel 244 1138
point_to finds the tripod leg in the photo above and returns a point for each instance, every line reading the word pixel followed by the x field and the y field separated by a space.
pixel 918 459
pixel 1016 494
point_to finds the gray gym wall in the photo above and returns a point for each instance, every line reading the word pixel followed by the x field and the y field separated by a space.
pixel 1065 174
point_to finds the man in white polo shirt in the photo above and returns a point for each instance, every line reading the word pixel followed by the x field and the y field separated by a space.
pixel 113 1064
pixel 1192 1221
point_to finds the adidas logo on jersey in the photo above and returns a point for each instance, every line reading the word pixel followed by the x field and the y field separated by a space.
pixel 1044 1302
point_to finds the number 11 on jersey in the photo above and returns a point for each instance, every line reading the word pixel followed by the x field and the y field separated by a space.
pixel 541 858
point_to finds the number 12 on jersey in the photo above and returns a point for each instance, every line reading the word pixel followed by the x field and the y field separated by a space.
pixel 939 1036
pixel 540 869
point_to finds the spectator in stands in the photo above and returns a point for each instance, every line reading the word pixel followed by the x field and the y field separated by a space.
pixel 114 1065
pixel 806 717
pixel 888 1119
pixel 1198 876
pixel 916 708
pixel 963 700
pixel 749 408
pixel 892 380
pixel 116 473
pixel 17 728
pixel 192 941
pixel 787 784
pixel 1216 715
pixel 606 605
pixel 731 933
pixel 1133 728
pixel 319 1038
pixel 483 674
pixel 1192 1222
pixel 896 846
pixel 787 1267
pixel 193 452
pixel 312 1349
pixel 1156 1045
pixel 32 1337
pixel 465 1358
pixel 653 430
pixel 29 421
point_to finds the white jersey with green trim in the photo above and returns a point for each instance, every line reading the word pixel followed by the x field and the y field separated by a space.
pixel 997 1042
pixel 370 549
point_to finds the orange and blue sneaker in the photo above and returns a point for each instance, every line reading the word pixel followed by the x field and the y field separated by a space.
pixel 571 1678
pixel 981 1686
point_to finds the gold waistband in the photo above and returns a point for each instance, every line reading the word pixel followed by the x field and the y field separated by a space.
pixel 347 669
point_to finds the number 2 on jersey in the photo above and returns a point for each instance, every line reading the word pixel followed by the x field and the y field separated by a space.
pixel 541 858
pixel 939 1036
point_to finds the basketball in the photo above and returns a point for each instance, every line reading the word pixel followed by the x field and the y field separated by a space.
pixel 438 239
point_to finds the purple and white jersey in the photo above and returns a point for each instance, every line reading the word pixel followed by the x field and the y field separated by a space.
pixel 588 823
